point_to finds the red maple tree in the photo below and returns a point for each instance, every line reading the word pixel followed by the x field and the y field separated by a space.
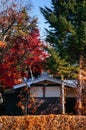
pixel 23 52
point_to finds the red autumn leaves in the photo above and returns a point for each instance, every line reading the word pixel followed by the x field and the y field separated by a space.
pixel 24 53
pixel 21 50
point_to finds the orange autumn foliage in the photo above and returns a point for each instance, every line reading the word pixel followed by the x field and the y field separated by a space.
pixel 2 44
pixel 43 122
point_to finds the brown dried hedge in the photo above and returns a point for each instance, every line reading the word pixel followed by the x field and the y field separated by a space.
pixel 43 122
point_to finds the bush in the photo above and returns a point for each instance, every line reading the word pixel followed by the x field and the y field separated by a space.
pixel 43 122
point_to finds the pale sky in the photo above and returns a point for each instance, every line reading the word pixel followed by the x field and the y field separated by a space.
pixel 36 12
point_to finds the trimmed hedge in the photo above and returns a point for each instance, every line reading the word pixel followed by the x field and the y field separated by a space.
pixel 43 122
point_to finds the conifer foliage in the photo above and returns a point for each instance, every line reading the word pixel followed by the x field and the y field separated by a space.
pixel 67 35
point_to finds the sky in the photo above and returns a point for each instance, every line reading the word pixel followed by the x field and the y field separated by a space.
pixel 36 12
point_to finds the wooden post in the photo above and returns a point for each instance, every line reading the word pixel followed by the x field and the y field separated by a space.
pixel 63 98
pixel 26 107
pixel 43 91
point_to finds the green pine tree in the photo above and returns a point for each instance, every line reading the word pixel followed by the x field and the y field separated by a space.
pixel 67 34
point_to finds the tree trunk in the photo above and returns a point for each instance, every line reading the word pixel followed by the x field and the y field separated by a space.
pixel 79 90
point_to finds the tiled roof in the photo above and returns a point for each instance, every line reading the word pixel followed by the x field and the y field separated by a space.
pixel 47 77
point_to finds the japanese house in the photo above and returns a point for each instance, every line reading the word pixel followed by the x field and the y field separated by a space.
pixel 49 95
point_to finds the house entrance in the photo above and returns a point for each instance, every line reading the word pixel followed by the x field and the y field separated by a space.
pixel 70 106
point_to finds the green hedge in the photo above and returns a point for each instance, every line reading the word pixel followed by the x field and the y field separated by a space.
pixel 43 122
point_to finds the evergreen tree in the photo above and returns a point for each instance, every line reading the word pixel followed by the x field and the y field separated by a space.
pixel 67 33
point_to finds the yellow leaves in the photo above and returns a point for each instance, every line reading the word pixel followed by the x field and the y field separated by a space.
pixel 22 33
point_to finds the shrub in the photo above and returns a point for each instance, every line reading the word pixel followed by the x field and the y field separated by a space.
pixel 43 122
